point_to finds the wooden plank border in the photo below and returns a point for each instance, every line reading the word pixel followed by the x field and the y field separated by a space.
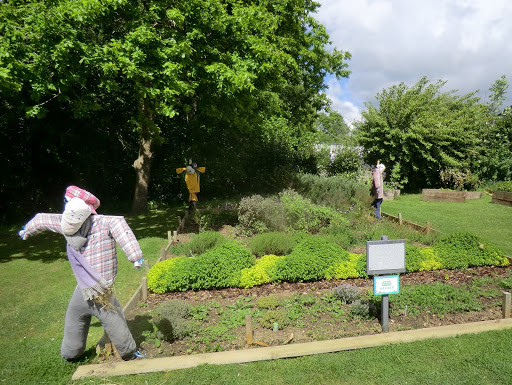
pixel 424 229
pixel 285 351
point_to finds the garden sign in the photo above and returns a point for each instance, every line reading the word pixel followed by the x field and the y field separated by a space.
pixel 386 256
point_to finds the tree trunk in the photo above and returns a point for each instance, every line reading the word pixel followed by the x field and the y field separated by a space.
pixel 142 164
pixel 142 167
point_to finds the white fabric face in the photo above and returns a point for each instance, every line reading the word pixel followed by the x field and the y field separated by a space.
pixel 190 170
pixel 75 214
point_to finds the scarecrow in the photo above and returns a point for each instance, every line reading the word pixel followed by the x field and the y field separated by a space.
pixel 192 177
pixel 378 176
pixel 91 249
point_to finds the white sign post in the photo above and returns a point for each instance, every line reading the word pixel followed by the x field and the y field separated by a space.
pixel 385 257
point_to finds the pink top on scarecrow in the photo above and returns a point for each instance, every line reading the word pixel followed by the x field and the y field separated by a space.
pixel 86 196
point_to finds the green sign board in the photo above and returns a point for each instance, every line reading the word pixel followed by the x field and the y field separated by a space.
pixel 386 285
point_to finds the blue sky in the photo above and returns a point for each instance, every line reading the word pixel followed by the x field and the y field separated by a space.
pixel 467 43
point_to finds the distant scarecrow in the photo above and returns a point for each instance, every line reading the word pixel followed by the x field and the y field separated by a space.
pixel 192 179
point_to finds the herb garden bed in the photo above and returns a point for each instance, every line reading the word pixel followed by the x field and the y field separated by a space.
pixel 310 312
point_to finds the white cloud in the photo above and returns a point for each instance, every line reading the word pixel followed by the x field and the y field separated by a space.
pixel 341 101
pixel 465 42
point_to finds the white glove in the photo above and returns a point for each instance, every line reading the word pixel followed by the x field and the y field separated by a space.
pixel 138 263
pixel 21 233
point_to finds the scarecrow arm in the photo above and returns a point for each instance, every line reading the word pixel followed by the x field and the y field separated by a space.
pixel 180 170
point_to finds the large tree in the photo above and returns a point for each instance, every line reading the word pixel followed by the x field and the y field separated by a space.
pixel 174 66
pixel 495 156
pixel 419 131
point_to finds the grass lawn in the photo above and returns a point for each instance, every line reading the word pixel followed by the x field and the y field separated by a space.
pixel 36 283
pixel 490 221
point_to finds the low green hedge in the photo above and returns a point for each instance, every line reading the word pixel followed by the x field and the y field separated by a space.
pixel 313 258
pixel 217 268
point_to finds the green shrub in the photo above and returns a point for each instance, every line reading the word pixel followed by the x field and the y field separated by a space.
pixel 345 269
pixel 506 283
pixel 335 191
pixel 462 250
pixel 268 302
pixel 259 215
pixel 270 317
pixel 360 309
pixel 290 211
pixel 221 267
pixel 347 161
pixel 459 179
pixel 412 258
pixel 429 259
pixel 173 322
pixel 181 275
pixel 502 186
pixel 214 218
pixel 303 215
pixel 340 232
pixel 310 260
pixel 199 244
pixel 259 274
pixel 360 260
pixel 276 243
pixel 347 293
pixel 158 275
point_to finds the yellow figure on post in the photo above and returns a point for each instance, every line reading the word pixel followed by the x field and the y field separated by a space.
pixel 192 179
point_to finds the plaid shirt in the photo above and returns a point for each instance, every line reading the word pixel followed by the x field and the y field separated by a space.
pixel 100 249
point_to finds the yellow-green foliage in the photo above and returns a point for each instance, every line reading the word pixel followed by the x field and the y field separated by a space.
pixel 345 269
pixel 268 302
pixel 259 273
pixel 313 258
pixel 429 259
pixel 156 275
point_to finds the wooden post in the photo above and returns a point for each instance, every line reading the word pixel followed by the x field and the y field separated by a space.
pixel 506 304
pixel 144 288
pixel 248 329
pixel 175 236
pixel 169 236
pixel 163 255
pixel 427 227
pixel 400 218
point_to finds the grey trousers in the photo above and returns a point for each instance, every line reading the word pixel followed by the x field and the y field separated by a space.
pixel 78 320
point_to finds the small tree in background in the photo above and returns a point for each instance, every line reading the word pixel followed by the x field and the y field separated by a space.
pixel 418 131
pixel 494 162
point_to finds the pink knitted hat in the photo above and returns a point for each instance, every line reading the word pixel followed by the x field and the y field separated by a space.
pixel 86 196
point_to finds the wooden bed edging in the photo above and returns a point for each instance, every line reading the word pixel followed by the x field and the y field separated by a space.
pixel 435 195
pixel 502 198
pixel 285 351
pixel 424 229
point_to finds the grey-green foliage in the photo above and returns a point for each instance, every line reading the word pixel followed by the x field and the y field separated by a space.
pixel 347 293
pixel 276 243
pixel 257 214
pixel 417 131
pixel 338 192
pixel 173 323
pixel 199 244
pixel 287 211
